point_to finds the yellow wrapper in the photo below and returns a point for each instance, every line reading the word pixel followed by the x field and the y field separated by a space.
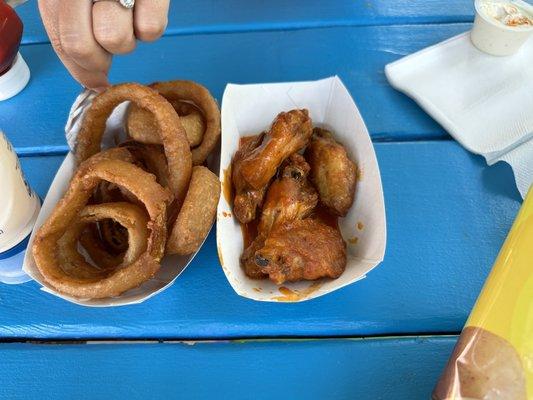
pixel 493 358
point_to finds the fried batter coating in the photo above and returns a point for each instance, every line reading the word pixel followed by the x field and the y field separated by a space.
pixel 151 158
pixel 112 235
pixel 332 172
pixel 191 92
pixel 302 249
pixel 98 249
pixel 197 213
pixel 99 283
pixel 141 126
pixel 131 217
pixel 169 129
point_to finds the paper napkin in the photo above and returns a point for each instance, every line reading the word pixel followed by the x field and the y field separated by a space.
pixel 484 102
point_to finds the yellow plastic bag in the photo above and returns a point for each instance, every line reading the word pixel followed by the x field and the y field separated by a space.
pixel 493 358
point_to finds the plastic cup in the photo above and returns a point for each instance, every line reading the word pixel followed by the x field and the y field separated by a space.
pixel 496 38
pixel 19 207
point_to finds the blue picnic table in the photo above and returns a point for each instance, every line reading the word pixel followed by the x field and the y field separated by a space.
pixel 385 337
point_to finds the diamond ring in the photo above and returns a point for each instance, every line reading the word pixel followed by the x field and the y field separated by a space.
pixel 123 3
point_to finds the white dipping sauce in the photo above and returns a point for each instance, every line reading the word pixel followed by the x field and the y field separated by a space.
pixel 506 14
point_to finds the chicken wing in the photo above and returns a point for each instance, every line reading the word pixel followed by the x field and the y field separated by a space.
pixel 332 172
pixel 251 269
pixel 247 199
pixel 288 198
pixel 290 132
pixel 302 249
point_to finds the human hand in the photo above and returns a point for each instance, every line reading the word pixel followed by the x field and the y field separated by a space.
pixel 85 35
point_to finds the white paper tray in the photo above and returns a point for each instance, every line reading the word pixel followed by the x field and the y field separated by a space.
pixel 171 266
pixel 250 109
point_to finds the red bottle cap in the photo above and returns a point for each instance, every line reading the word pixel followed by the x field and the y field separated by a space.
pixel 10 36
pixel 14 73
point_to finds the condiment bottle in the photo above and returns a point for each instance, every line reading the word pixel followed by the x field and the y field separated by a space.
pixel 19 208
pixel 14 72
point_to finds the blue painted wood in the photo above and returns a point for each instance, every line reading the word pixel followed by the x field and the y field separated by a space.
pixel 357 55
pixel 399 369
pixel 213 16
pixel 447 216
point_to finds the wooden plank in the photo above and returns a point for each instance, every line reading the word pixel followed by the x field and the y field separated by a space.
pixel 357 55
pixel 393 368
pixel 447 216
pixel 211 16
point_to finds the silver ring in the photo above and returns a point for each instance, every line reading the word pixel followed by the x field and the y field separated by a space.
pixel 124 3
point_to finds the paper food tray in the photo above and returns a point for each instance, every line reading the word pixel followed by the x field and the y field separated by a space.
pixel 171 266
pixel 250 109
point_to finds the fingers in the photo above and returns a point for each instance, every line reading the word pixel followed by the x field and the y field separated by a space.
pixel 77 38
pixel 85 35
pixel 150 19
pixel 113 27
pixel 93 79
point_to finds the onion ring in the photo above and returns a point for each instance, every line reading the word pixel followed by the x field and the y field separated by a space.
pixel 192 120
pixel 188 91
pixel 108 236
pixel 128 215
pixel 98 249
pixel 116 236
pixel 101 283
pixel 172 134
pixel 141 127
pixel 151 158
pixel 105 192
pixel 197 213
pixel 194 125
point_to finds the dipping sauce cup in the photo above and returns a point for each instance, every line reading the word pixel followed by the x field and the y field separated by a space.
pixel 501 27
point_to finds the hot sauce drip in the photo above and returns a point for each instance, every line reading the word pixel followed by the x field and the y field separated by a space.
pixel 10 36
pixel 227 186
pixel 249 232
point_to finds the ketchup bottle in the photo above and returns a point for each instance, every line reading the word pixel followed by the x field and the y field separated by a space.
pixel 14 72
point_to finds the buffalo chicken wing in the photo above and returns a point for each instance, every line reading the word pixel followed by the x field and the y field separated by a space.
pixel 332 172
pixel 302 249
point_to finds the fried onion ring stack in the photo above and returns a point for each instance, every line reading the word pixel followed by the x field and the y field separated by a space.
pixel 126 207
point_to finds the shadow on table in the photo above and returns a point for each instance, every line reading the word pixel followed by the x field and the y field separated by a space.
pixel 499 180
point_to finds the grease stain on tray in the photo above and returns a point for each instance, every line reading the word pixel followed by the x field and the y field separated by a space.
pixel 289 295
pixel 359 174
pixel 353 240
pixel 360 226
pixel 227 187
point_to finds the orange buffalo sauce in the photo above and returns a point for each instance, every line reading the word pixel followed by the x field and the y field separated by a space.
pixel 322 214
pixel 288 295
pixel 227 186
pixel 249 232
